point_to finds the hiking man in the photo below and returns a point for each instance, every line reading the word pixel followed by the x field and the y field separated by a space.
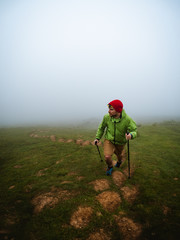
pixel 118 128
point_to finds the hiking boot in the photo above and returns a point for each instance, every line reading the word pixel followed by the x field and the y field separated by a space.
pixel 109 171
pixel 118 164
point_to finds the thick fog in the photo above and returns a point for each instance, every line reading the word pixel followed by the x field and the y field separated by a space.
pixel 64 60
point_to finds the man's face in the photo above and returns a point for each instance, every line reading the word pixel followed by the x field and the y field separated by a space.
pixel 112 112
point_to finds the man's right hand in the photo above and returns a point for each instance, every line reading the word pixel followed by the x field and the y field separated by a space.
pixel 96 141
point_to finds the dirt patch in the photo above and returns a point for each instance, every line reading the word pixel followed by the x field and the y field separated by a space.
pixel 81 217
pixel 59 161
pixel 86 143
pixel 11 219
pixel 79 141
pixel 79 178
pixel 129 229
pixel 50 199
pixel 70 141
pixel 34 135
pixel 130 194
pixel 101 235
pixel 109 200
pixel 100 185
pixel 41 172
pixel 65 182
pixel 72 174
pixel 18 166
pixel 53 138
pixel 118 178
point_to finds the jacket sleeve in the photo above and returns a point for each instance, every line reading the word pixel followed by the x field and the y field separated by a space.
pixel 101 129
pixel 132 128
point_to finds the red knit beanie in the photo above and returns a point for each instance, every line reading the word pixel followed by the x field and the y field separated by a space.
pixel 117 105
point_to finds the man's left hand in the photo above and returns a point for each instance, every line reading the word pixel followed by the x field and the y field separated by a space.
pixel 128 136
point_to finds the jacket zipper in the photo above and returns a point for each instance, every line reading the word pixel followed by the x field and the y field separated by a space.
pixel 114 132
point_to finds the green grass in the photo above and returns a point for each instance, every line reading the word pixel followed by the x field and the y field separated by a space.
pixel 155 155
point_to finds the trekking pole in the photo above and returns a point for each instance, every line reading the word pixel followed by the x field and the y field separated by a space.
pixel 128 156
pixel 98 151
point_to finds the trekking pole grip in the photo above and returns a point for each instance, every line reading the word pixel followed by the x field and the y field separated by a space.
pixel 96 143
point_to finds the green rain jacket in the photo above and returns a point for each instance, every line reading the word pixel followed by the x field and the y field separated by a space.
pixel 116 128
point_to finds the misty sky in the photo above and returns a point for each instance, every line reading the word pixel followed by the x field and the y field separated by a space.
pixel 63 60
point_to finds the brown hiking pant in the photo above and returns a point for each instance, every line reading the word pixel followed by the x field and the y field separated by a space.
pixel 110 149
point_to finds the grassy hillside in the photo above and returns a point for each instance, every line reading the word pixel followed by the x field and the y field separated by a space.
pixel 53 186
